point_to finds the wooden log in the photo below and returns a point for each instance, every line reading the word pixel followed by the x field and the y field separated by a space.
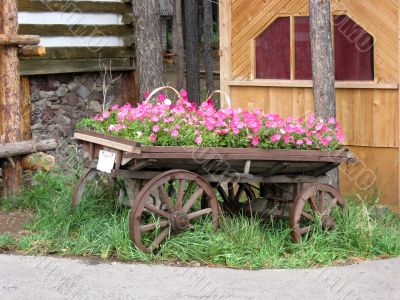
pixel 39 162
pixel 16 39
pixel 26 147
pixel 10 104
pixel 29 51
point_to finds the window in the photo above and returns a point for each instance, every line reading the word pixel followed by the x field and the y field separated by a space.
pixel 273 51
pixel 353 50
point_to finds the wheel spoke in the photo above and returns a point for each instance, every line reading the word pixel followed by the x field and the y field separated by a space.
pixel 160 238
pixel 321 202
pixel 157 211
pixel 181 191
pixel 239 192
pixel 313 204
pixel 188 205
pixel 222 193
pixel 231 191
pixel 307 215
pixel 165 199
pixel 199 213
pixel 305 230
pixel 152 226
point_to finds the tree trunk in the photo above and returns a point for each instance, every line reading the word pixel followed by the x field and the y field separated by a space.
pixel 192 50
pixel 149 56
pixel 207 36
pixel 323 65
pixel 10 106
pixel 178 45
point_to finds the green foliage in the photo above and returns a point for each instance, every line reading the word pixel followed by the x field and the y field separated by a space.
pixel 99 227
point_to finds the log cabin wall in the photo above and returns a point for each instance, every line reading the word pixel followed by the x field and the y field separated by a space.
pixel 65 85
pixel 368 110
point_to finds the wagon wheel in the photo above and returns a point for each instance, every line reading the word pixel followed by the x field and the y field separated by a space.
pixel 87 175
pixel 236 196
pixel 168 204
pixel 317 200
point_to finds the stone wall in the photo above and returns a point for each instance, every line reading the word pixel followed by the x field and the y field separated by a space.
pixel 59 101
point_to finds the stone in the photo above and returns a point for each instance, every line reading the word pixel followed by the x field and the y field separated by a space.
pixel 73 86
pixel 36 126
pixel 95 106
pixel 72 99
pixel 42 94
pixel 62 91
pixel 83 92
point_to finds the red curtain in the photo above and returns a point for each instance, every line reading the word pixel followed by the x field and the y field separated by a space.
pixel 353 51
pixel 273 51
pixel 303 49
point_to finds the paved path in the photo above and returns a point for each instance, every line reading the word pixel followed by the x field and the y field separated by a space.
pixel 61 278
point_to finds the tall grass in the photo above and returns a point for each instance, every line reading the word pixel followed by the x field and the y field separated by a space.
pixel 99 227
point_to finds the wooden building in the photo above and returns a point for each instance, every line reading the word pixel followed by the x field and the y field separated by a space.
pixel 266 63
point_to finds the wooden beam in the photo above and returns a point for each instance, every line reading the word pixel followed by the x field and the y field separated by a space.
pixel 15 39
pixel 85 53
pixel 26 147
pixel 26 108
pixel 55 66
pixel 74 6
pixel 76 30
pixel 32 51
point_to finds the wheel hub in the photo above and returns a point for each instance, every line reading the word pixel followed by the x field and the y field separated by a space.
pixel 328 222
pixel 179 220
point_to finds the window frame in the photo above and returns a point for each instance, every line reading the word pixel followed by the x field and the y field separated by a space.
pixel 308 83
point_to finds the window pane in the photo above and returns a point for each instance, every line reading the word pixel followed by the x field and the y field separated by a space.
pixel 273 51
pixel 303 49
pixel 353 51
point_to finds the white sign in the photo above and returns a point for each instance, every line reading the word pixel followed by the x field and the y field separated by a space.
pixel 106 161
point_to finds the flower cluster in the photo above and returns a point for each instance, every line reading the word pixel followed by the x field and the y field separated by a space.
pixel 185 124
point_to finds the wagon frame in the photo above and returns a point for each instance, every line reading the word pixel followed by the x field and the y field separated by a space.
pixel 271 181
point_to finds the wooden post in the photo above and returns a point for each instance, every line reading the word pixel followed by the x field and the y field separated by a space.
pixel 10 105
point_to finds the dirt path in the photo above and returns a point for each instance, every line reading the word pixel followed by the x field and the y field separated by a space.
pixel 58 278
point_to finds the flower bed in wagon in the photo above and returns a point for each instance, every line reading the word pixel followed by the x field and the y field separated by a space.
pixel 184 124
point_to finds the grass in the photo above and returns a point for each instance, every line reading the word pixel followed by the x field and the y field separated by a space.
pixel 99 227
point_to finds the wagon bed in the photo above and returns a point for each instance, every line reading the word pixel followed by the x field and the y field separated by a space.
pixel 273 182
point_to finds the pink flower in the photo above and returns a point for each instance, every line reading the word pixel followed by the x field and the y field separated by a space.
pixel 331 121
pixel 154 118
pixel 106 114
pixel 275 138
pixel 299 142
pixel 175 133
pixel 153 137
pixel 198 140
pixel 255 141
pixel 156 128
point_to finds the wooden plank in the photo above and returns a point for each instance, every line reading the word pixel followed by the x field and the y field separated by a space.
pixel 75 30
pixel 74 6
pixel 110 141
pixel 84 52
pixel 308 84
pixel 225 27
pixel 41 67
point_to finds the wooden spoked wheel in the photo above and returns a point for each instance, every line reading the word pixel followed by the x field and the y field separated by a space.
pixel 87 176
pixel 168 204
pixel 316 201
pixel 235 195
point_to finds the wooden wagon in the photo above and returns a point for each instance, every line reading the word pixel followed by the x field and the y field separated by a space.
pixel 170 187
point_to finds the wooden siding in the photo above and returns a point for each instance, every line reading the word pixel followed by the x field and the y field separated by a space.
pixel 368 111
pixel 77 34
pixel 250 18
pixel 370 117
